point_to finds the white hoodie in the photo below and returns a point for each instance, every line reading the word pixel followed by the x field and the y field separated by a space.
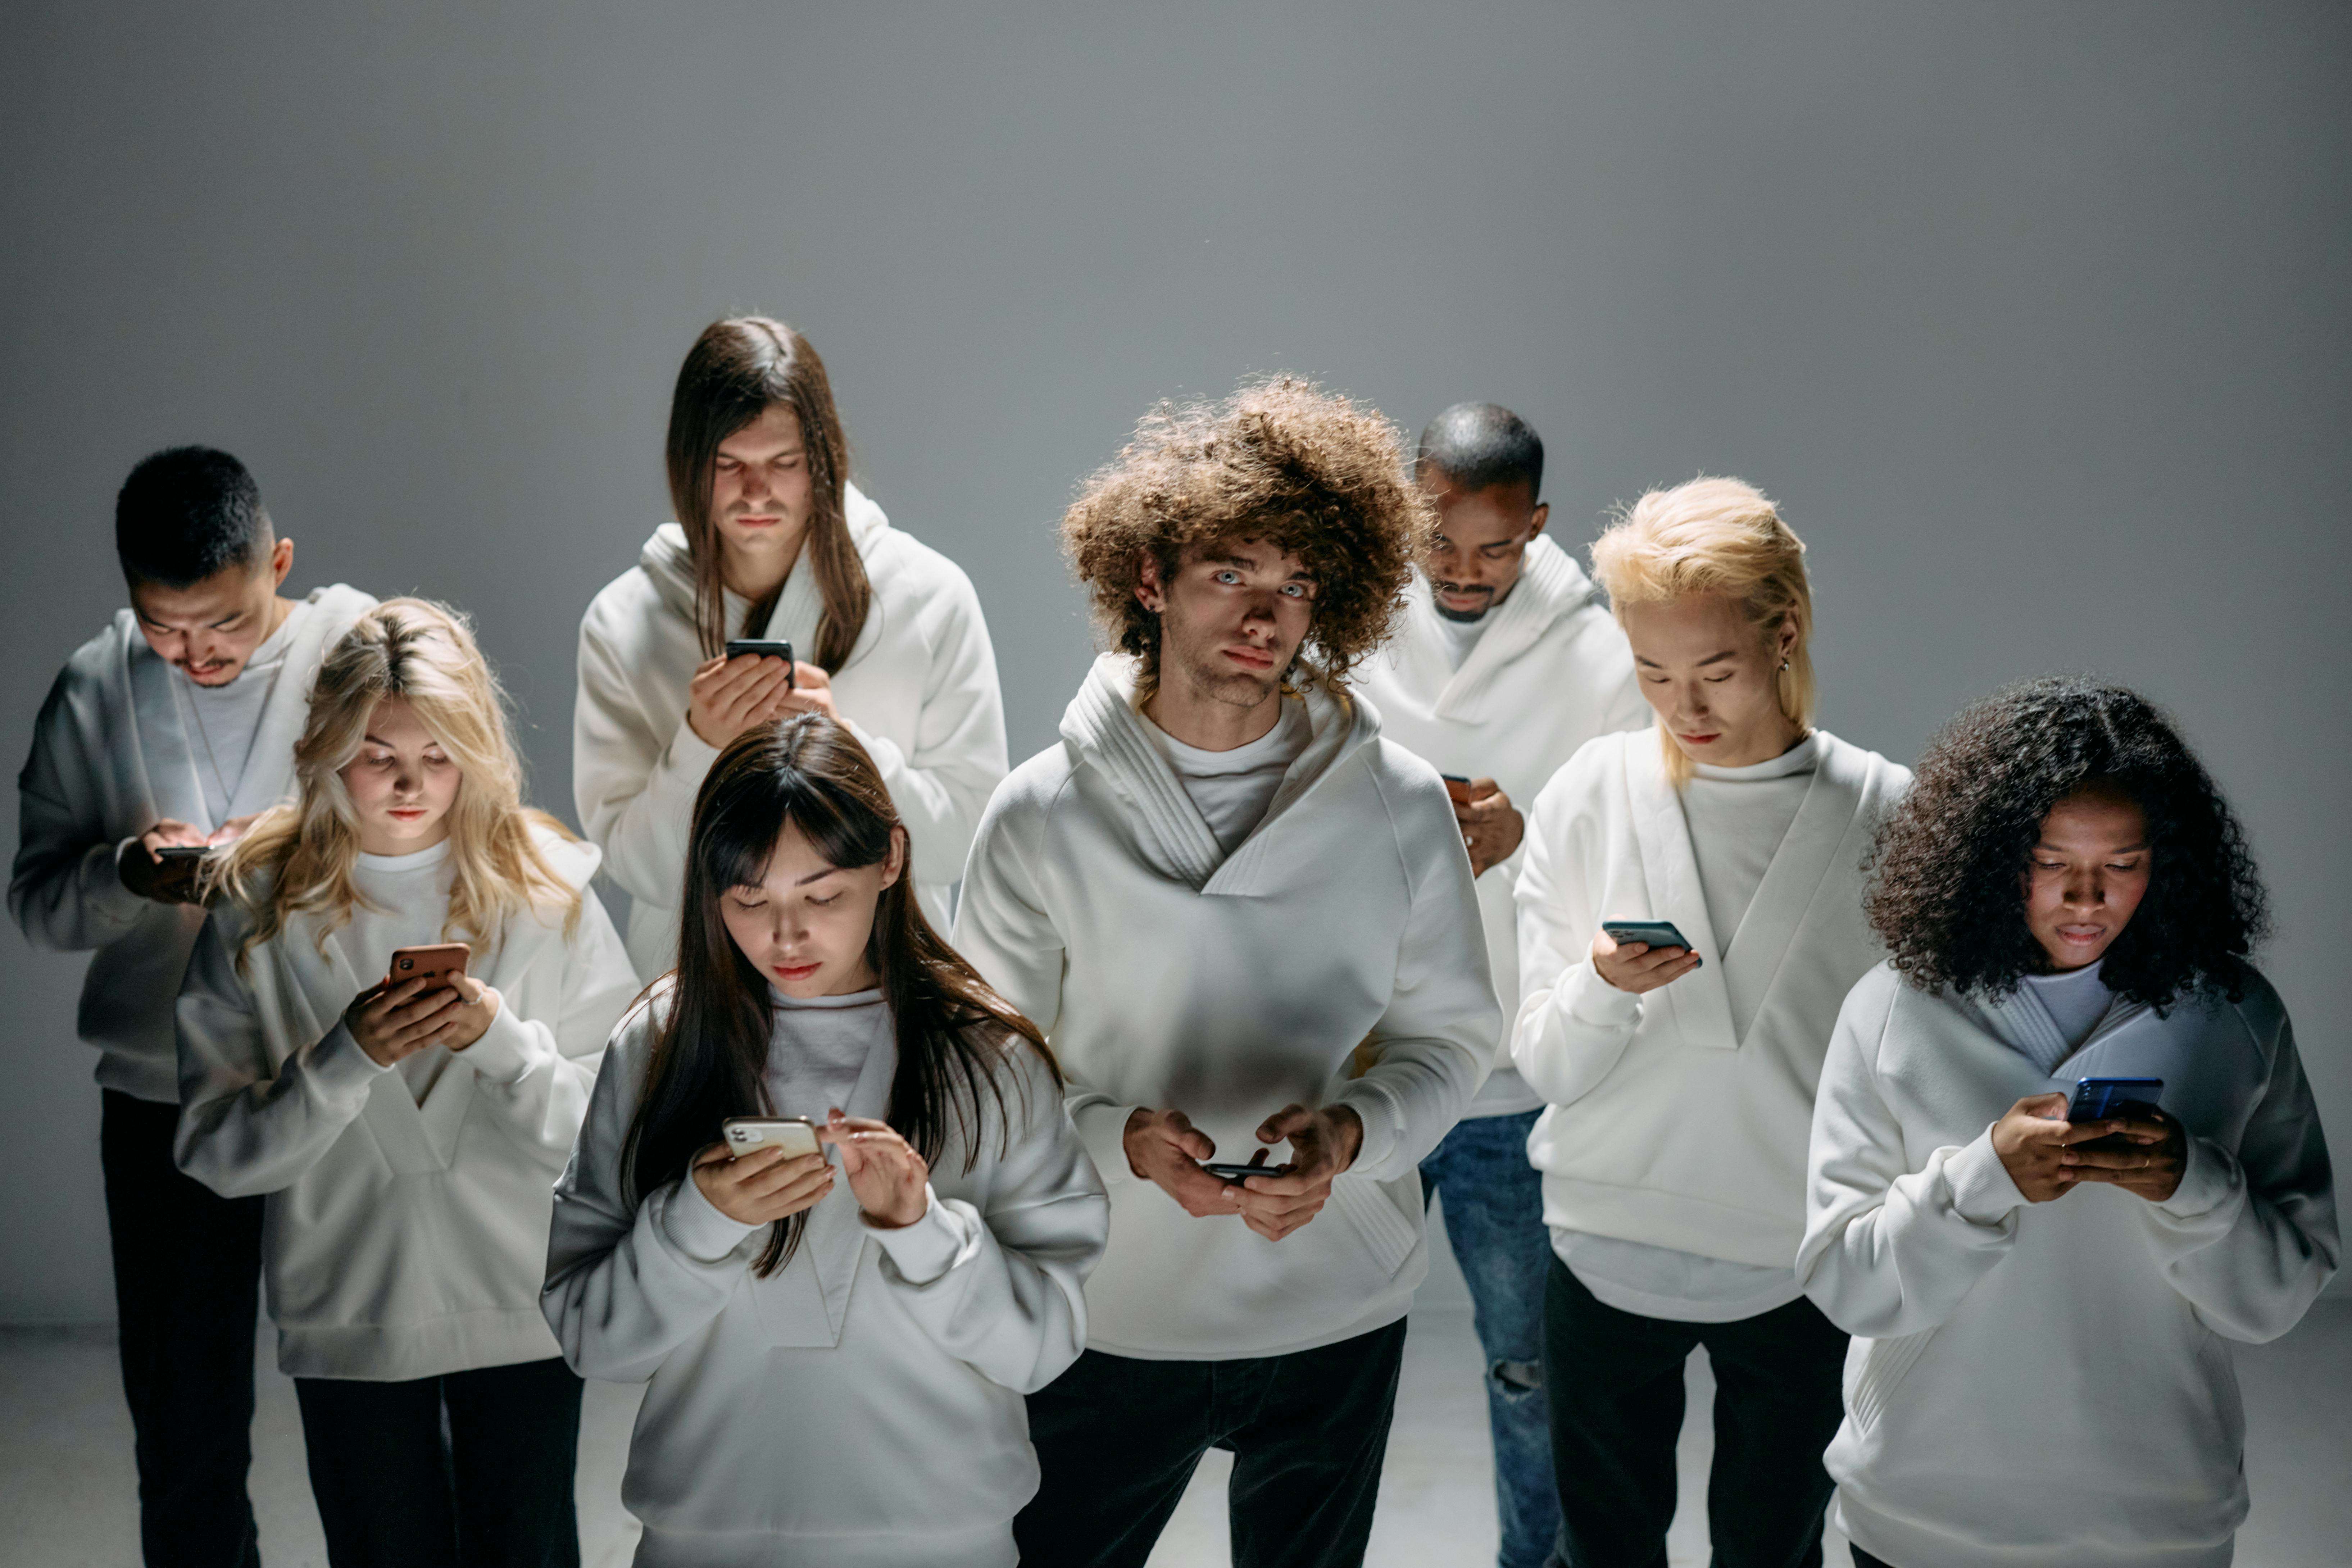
pixel 97 777
pixel 1168 975
pixel 918 692
pixel 2036 1383
pixel 1548 672
pixel 861 1408
pixel 401 1240
pixel 1669 1126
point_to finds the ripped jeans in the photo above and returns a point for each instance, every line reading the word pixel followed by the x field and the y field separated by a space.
pixel 1494 1218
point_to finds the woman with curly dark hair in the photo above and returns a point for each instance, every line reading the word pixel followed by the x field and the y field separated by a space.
pixel 1246 921
pixel 2041 1305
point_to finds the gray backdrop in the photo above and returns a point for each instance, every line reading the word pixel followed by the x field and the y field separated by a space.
pixel 2034 319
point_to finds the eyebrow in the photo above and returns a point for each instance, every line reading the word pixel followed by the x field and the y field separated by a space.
pixel 1710 658
pixel 2120 850
pixel 816 875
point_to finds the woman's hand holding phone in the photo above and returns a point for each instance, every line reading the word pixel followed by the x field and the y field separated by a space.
pixel 887 1177
pixel 2036 1145
pixel 728 696
pixel 1636 966
pixel 391 1021
pixel 764 1185
pixel 812 691
pixel 470 1020
pixel 2149 1164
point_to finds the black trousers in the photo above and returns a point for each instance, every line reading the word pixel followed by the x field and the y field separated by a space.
pixel 1616 1382
pixel 470 1470
pixel 1118 1438
pixel 187 1278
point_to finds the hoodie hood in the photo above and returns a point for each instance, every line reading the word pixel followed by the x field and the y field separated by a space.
pixel 1102 728
pixel 670 564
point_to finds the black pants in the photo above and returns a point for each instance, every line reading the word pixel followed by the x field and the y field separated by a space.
pixel 1616 1382
pixel 187 1272
pixel 470 1468
pixel 1118 1439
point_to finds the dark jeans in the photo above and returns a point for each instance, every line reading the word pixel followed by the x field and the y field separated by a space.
pixel 1494 1217
pixel 1616 1382
pixel 187 1275
pixel 470 1469
pixel 1118 1437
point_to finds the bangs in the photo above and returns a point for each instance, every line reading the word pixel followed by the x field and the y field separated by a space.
pixel 748 812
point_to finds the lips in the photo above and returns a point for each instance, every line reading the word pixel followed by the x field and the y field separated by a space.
pixel 405 812
pixel 1251 657
pixel 1707 740
pixel 793 971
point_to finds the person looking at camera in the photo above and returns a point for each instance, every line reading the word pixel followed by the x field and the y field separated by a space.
pixel 407 1131
pixel 1246 921
pixel 163 736
pixel 1680 1073
pixel 2042 1307
pixel 772 542
pixel 1504 663
pixel 835 1355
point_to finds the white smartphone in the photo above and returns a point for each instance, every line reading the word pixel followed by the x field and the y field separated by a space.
pixel 795 1135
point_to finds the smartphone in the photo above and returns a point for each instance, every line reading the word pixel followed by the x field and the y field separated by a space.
pixel 763 647
pixel 2100 1098
pixel 184 854
pixel 795 1135
pixel 1457 788
pixel 442 961
pixel 1657 933
pixel 1225 1172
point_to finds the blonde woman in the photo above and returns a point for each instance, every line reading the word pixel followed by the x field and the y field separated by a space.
pixel 407 1135
pixel 1679 1078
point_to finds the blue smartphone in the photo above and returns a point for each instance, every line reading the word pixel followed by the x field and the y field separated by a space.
pixel 2101 1098
pixel 1657 933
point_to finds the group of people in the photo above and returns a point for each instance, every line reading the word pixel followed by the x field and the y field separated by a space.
pixel 1132 1071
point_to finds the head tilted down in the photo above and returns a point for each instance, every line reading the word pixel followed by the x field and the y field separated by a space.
pixel 1482 467
pixel 1238 546
pixel 201 559
pixel 2057 824
pixel 797 885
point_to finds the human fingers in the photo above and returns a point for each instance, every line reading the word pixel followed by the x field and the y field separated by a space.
pixel 390 995
pixel 784 1170
pixel 1177 1129
pixel 1486 792
pixel 1282 1123
pixel 2066 1135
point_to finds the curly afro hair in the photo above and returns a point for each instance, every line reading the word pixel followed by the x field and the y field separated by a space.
pixel 1947 893
pixel 1281 461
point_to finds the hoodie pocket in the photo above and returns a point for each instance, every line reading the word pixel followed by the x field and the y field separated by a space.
pixel 1388 1235
pixel 1885 1363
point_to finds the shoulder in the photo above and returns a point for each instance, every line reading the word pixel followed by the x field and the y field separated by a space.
pixel 1027 795
pixel 342 604
pixel 908 573
pixel 2258 1005
pixel 575 860
pixel 628 601
pixel 632 1040
pixel 1862 772
pixel 1591 769
pixel 96 663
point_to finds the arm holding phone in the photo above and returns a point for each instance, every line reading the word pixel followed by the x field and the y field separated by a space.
pixel 1492 827
pixel 1574 1020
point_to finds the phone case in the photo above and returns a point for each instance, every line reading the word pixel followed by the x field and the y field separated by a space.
pixel 440 960
pixel 793 1134
pixel 1656 933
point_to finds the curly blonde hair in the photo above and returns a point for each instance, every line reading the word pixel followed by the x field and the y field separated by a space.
pixel 1308 472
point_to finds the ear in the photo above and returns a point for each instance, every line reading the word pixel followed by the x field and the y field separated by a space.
pixel 894 864
pixel 1149 591
pixel 282 562
pixel 1538 518
pixel 1785 642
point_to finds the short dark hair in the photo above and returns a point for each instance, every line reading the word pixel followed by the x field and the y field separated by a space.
pixel 1946 895
pixel 1481 445
pixel 187 513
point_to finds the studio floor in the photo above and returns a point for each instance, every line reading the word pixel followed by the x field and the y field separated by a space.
pixel 66 1483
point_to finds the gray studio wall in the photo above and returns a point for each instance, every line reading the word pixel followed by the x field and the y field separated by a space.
pixel 2035 318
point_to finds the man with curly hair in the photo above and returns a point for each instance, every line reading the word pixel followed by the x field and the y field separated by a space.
pixel 1505 662
pixel 1244 919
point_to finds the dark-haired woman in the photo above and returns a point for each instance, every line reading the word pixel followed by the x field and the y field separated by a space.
pixel 2041 1370
pixel 837 1355
pixel 772 542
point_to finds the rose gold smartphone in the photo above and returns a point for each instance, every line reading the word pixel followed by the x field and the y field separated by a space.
pixel 442 961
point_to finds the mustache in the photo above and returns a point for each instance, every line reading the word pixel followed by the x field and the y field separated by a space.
pixel 1485 588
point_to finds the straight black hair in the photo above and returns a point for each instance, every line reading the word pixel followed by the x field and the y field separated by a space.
pixel 188 513
pixel 710 1050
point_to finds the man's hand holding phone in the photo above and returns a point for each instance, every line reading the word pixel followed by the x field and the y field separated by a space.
pixel 728 696
pixel 1165 1148
pixel 1322 1144
pixel 147 871
pixel 1491 826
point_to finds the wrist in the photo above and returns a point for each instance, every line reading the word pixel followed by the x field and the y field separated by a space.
pixel 1348 1134
pixel 1137 1119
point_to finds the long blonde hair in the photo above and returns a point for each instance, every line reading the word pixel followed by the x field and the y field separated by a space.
pixel 298 858
pixel 1714 536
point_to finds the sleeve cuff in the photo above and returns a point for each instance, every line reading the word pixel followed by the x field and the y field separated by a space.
pixel 697 1228
pixel 1384 1126
pixel 1592 1001
pixel 924 1251
pixel 1982 1192
pixel 503 1054
pixel 689 758
pixel 2205 1182
pixel 1102 1127
pixel 338 1066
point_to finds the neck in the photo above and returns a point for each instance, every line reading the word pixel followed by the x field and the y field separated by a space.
pixel 1210 723
pixel 754 577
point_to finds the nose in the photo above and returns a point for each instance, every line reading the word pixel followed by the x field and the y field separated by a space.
pixel 755 483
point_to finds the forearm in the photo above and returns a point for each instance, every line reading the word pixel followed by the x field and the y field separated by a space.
pixel 241 1137
pixel 541 1094
pixel 68 897
pixel 2250 1264
pixel 1903 1263
pixel 624 1291
pixel 1004 1294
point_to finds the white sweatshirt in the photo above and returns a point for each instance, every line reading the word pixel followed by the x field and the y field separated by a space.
pixel 1548 671
pixel 1169 974
pixel 402 1239
pixel 102 772
pixel 2036 1383
pixel 918 692
pixel 862 1407
pixel 1667 1125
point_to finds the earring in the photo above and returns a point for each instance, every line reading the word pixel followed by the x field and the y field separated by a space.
pixel 1784 663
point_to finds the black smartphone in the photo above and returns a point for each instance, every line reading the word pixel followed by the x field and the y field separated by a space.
pixel 1227 1171
pixel 2103 1098
pixel 763 647
pixel 184 854
pixel 1657 933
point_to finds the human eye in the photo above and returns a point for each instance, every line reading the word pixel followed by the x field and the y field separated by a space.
pixel 727 465
pixel 1294 590
pixel 747 898
pixel 1228 576
pixel 824 902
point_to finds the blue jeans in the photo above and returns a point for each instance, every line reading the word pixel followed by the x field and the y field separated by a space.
pixel 1494 1217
